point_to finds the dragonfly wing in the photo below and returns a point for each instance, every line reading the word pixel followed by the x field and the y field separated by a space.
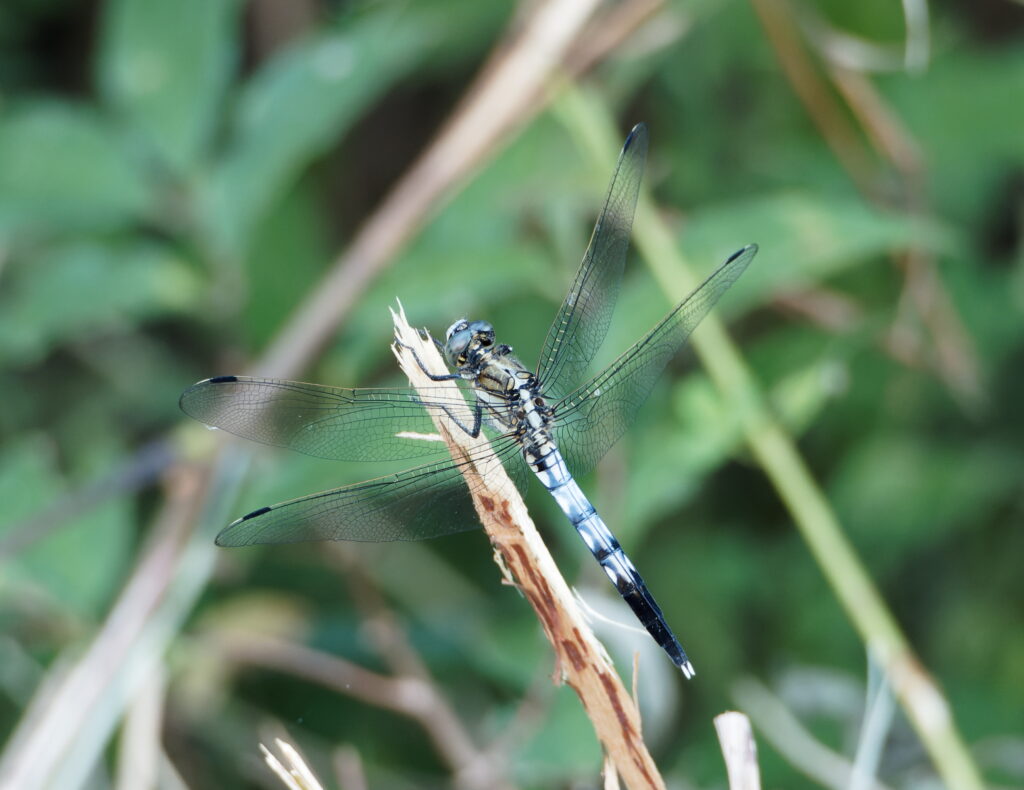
pixel 326 422
pixel 582 321
pixel 426 501
pixel 591 419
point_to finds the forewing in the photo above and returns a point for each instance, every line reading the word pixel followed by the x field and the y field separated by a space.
pixel 590 420
pixel 326 422
pixel 423 502
pixel 582 321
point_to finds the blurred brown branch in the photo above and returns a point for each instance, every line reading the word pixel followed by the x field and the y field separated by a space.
pixel 172 571
pixel 891 143
pixel 412 695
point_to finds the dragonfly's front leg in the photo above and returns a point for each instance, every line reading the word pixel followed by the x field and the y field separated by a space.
pixel 478 412
pixel 423 367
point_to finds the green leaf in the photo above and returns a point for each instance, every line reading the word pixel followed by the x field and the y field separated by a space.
pixel 903 493
pixel 85 288
pixel 289 250
pixel 564 747
pixel 77 566
pixel 294 109
pixel 803 237
pixel 165 66
pixel 63 168
pixel 965 113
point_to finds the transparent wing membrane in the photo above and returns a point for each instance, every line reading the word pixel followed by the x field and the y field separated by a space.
pixel 426 501
pixel 327 422
pixel 582 321
pixel 590 420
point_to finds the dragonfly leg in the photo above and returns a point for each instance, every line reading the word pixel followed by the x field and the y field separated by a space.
pixel 431 376
pixel 478 418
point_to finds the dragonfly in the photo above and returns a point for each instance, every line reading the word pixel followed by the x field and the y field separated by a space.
pixel 556 420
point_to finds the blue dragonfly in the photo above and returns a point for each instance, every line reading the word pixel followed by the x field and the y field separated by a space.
pixel 556 422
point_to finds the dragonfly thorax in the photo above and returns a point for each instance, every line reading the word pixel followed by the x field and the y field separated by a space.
pixel 510 394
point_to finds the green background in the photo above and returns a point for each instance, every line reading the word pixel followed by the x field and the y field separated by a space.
pixel 176 178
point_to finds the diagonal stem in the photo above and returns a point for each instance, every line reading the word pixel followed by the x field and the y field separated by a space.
pixel 917 691
pixel 582 662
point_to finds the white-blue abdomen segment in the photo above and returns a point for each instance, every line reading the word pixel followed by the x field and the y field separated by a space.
pixel 550 467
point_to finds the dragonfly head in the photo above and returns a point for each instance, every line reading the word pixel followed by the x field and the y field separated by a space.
pixel 465 339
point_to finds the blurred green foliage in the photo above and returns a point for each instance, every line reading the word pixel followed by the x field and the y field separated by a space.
pixel 176 177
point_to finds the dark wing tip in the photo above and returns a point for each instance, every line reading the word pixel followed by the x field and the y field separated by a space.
pixel 638 131
pixel 225 536
pixel 183 400
pixel 750 249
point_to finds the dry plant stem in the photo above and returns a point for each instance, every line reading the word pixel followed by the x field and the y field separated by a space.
pixel 528 58
pixel 814 93
pixel 581 660
pixel 408 696
pixel 348 769
pixel 493 105
pixel 296 775
pixel 473 767
pixel 782 730
pixel 356 266
pixel 956 359
pixel 739 750
pixel 919 695
pixel 140 752
pixel 39 748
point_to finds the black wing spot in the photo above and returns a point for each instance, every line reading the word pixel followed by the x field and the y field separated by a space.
pixel 223 380
pixel 738 253
pixel 635 132
pixel 255 513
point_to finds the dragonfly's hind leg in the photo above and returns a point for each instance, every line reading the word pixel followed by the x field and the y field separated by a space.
pixel 478 418
pixel 478 413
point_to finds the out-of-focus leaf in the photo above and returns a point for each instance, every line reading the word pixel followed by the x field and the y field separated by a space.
pixel 671 452
pixel 78 565
pixel 474 256
pixel 804 238
pixel 800 397
pixel 965 112
pixel 289 248
pixel 85 288
pixel 898 493
pixel 670 455
pixel 63 168
pixel 165 66
pixel 295 108
pixel 564 746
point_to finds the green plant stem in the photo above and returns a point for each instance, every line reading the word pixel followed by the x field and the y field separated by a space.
pixel 590 124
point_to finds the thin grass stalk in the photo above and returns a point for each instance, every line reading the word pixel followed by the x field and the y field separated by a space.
pixel 589 122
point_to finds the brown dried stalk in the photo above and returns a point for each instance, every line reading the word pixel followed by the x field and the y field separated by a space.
pixel 582 662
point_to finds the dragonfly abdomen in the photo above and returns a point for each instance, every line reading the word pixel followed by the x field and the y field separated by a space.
pixel 547 463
